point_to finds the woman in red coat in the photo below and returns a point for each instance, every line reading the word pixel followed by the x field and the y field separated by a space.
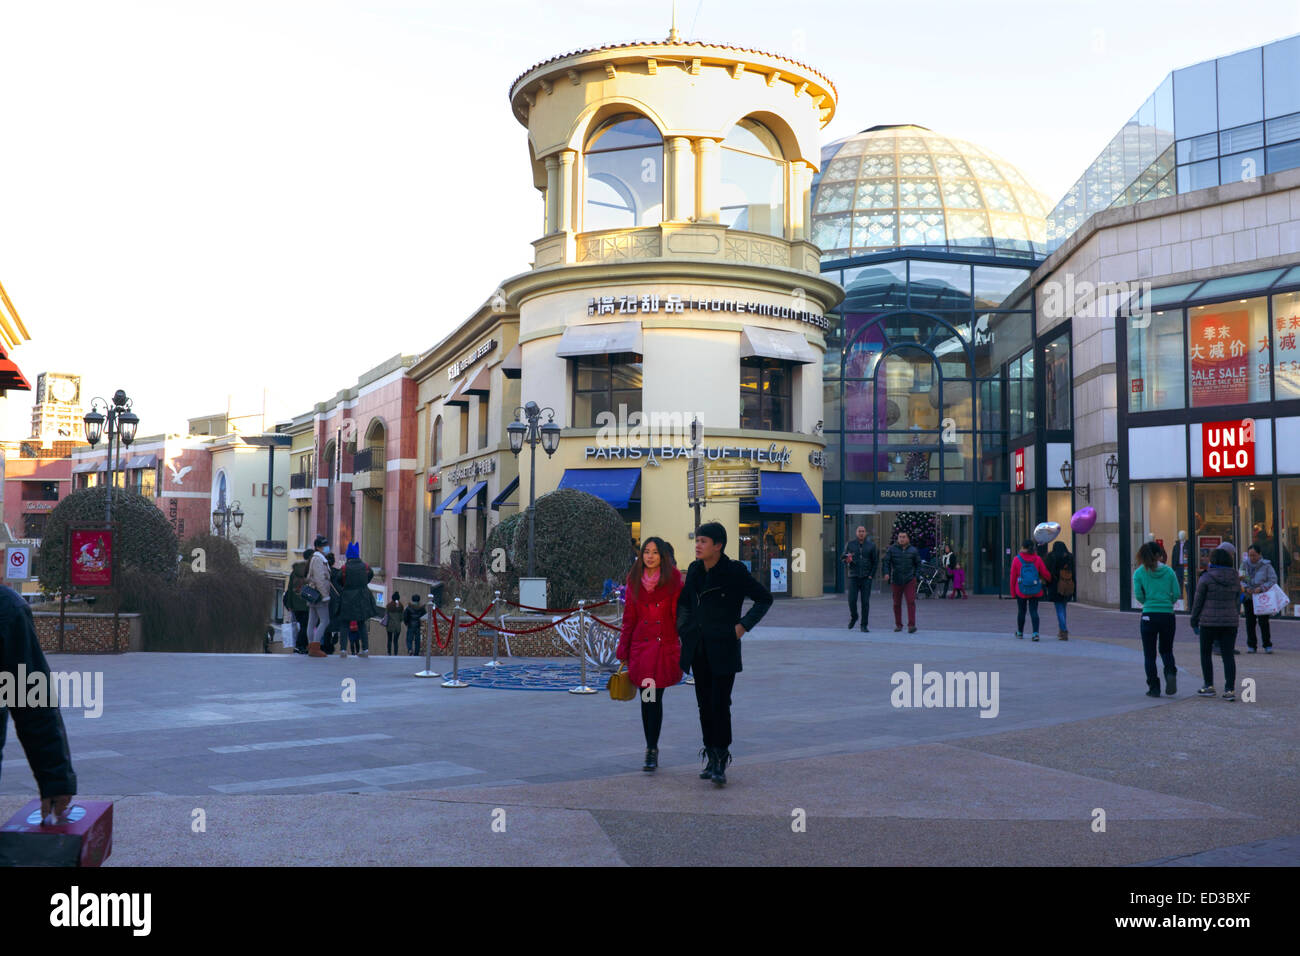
pixel 649 643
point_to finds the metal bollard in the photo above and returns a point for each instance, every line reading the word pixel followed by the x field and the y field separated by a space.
pixel 455 650
pixel 496 635
pixel 428 643
pixel 582 650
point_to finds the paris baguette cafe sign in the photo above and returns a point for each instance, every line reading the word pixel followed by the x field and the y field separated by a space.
pixel 1228 448
pixel 769 455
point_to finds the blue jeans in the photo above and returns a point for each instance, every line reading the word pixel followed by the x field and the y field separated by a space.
pixel 1060 613
pixel 1020 613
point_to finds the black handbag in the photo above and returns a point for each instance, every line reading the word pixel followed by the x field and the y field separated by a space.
pixel 309 594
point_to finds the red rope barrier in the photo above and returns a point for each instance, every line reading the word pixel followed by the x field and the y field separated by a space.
pixel 437 637
pixel 612 627
pixel 479 619
pixel 555 610
pixel 532 630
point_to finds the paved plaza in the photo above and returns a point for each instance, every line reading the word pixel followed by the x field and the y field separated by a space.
pixel 285 771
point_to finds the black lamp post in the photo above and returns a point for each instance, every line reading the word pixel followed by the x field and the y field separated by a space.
pixel 1112 469
pixel 549 436
pixel 1067 476
pixel 122 423
pixel 223 516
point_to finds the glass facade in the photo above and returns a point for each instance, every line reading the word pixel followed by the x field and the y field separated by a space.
pixel 623 187
pixel 1218 122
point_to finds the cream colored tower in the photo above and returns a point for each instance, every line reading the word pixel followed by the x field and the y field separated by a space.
pixel 676 178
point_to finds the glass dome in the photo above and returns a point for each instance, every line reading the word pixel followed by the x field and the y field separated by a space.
pixel 892 187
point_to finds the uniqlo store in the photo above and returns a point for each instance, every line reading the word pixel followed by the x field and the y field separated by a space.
pixel 1210 430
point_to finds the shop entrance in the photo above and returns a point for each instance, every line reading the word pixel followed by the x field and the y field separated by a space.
pixel 929 530
pixel 1239 512
pixel 764 548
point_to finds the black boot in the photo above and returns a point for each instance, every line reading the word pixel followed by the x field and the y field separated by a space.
pixel 720 769
pixel 707 772
pixel 651 760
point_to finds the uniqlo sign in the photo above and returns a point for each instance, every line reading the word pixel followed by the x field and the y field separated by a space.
pixel 1020 469
pixel 1228 448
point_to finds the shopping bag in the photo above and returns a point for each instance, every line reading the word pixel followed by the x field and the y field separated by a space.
pixel 1271 601
pixel 83 836
pixel 288 632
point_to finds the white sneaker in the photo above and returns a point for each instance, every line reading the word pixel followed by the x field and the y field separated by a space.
pixel 364 654
pixel 343 652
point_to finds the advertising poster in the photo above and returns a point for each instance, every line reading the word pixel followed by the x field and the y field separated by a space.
pixel 1286 354
pixel 1220 358
pixel 90 558
pixel 778 576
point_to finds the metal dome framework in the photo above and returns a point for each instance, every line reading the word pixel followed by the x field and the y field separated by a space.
pixel 892 187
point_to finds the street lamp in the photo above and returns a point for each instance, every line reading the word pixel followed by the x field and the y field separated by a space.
pixel 1067 476
pixel 1112 469
pixel 116 413
pixel 548 434
pixel 223 516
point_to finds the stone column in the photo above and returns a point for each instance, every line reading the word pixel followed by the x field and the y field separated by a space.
pixel 797 200
pixel 708 180
pixel 679 187
pixel 565 192
pixel 552 195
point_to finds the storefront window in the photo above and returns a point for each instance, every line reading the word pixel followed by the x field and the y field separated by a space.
pixel 1288 523
pixel 603 383
pixel 1059 384
pixel 1286 345
pixel 624 185
pixel 1255 518
pixel 1155 363
pixel 909 378
pixel 1228 350
pixel 764 547
pixel 765 403
pixel 909 456
pixel 1158 512
pixel 1211 520
pixel 959 458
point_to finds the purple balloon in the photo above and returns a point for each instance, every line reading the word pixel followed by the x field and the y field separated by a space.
pixel 1083 520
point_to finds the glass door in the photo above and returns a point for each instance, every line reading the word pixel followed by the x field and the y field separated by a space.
pixel 990 564
pixel 1212 520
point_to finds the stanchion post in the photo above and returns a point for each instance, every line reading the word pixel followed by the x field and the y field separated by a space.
pixel 428 641
pixel 496 635
pixel 455 650
pixel 582 649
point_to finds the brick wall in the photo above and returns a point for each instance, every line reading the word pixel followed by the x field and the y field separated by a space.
pixel 88 633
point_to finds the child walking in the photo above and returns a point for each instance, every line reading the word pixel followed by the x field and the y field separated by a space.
pixel 958 578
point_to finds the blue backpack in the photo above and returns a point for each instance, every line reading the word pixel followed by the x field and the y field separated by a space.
pixel 1031 584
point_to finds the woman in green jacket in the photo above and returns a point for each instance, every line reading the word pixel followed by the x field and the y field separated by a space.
pixel 1156 587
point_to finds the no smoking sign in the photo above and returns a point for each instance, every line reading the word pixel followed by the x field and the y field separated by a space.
pixel 16 564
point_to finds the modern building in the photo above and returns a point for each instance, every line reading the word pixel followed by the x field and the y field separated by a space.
pixel 929 368
pixel 677 279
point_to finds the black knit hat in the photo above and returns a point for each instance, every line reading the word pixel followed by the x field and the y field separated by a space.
pixel 714 532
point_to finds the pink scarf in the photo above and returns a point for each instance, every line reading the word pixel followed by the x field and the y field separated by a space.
pixel 649 579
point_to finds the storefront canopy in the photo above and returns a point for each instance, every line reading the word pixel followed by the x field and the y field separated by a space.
pixel 769 343
pixel 85 467
pixel 512 365
pixel 785 491
pixel 606 338
pixel 143 461
pixel 480 384
pixel 449 500
pixel 474 489
pixel 506 492
pixel 457 394
pixel 614 485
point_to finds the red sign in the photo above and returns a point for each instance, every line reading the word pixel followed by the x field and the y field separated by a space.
pixel 1020 469
pixel 435 480
pixel 1220 358
pixel 1137 385
pixel 90 558
pixel 1228 448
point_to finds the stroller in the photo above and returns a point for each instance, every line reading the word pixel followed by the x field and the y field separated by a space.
pixel 929 576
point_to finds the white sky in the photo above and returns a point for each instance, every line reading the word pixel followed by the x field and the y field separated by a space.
pixel 201 199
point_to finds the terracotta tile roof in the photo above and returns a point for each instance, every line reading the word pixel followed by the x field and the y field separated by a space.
pixel 703 44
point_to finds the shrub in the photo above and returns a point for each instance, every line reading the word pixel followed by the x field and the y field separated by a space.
pixel 145 541
pixel 580 541
pixel 503 536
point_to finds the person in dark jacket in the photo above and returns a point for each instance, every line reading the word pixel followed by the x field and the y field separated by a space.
pixel 1214 617
pixel 393 622
pixel 333 632
pixel 648 642
pixel 900 566
pixel 357 603
pixel 710 627
pixel 294 603
pixel 1058 560
pixel 411 617
pixel 40 729
pixel 861 557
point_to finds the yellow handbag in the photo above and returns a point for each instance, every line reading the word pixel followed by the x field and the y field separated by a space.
pixel 620 685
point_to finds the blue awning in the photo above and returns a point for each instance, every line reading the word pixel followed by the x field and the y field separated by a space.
pixel 506 492
pixel 470 495
pixel 785 491
pixel 450 499
pixel 614 485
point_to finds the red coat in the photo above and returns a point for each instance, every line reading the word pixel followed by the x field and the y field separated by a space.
pixel 649 642
pixel 1042 573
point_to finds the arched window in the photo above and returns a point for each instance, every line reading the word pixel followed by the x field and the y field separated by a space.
pixel 753 180
pixel 623 187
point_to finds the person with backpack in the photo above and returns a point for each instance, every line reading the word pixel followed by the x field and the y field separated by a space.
pixel 1156 588
pixel 1029 579
pixel 393 622
pixel 294 603
pixel 1060 587
pixel 1214 618
pixel 357 604
pixel 412 616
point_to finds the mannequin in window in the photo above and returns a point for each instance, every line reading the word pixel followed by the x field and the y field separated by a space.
pixel 1179 560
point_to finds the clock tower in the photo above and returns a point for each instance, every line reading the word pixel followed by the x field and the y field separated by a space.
pixel 57 414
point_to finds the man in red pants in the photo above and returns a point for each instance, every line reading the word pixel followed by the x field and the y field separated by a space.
pixel 901 563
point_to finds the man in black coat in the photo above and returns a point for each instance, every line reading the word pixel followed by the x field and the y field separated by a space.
pixel 710 627
pixel 901 565
pixel 40 729
pixel 860 556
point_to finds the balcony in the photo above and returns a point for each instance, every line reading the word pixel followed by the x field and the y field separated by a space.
pixel 301 485
pixel 369 470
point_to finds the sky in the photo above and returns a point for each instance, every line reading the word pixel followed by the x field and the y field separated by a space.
pixel 217 204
